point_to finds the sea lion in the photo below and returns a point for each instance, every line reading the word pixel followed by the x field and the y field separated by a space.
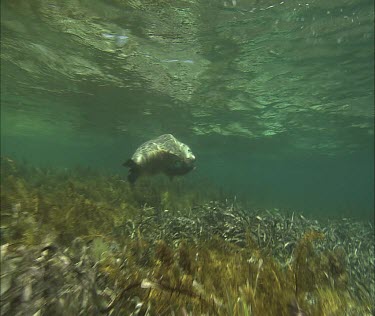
pixel 164 154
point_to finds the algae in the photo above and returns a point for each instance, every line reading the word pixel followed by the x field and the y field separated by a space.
pixel 86 243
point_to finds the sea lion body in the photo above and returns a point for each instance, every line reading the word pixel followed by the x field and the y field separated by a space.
pixel 164 154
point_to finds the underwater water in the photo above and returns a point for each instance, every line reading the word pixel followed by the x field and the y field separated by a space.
pixel 275 100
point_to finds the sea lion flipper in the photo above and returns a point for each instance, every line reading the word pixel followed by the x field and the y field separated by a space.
pixel 129 163
pixel 133 170
pixel 132 176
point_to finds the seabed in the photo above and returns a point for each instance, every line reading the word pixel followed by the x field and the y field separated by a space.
pixel 76 242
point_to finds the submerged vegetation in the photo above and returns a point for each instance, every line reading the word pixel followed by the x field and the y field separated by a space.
pixel 78 242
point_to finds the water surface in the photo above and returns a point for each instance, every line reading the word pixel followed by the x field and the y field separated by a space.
pixel 275 99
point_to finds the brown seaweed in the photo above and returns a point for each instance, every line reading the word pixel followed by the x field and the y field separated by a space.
pixel 85 243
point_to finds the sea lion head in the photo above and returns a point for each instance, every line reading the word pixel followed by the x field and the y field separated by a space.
pixel 187 154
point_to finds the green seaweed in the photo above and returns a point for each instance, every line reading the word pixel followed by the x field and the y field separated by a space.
pixel 141 263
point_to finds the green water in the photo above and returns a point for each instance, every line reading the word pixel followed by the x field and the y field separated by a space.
pixel 274 98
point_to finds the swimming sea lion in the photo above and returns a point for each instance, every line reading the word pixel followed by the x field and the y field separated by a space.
pixel 164 154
